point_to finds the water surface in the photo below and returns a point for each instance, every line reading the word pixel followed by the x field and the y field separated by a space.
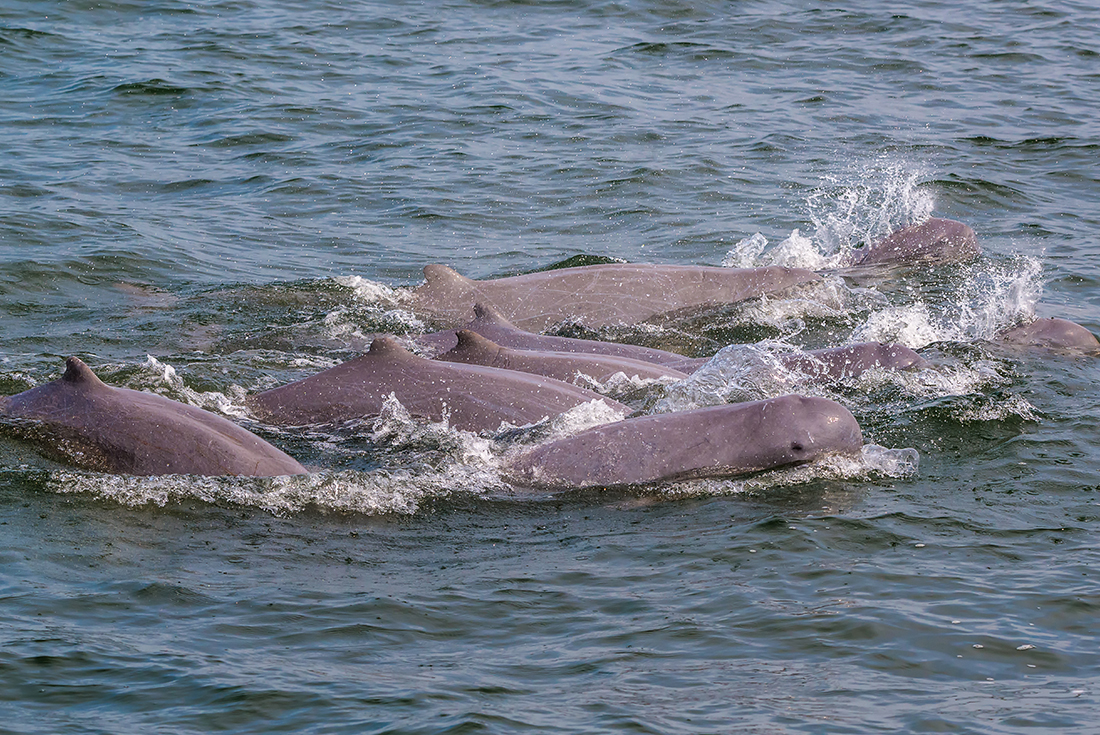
pixel 211 198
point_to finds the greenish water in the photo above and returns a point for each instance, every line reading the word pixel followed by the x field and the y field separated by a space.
pixel 207 199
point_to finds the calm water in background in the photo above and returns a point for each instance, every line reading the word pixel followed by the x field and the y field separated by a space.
pixel 205 199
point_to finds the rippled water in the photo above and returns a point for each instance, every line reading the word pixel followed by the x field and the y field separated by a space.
pixel 208 199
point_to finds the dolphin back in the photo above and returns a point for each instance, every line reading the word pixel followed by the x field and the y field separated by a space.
pixel 84 422
pixel 936 240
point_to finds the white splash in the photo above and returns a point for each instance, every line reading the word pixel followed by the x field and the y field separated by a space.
pixel 999 296
pixel 348 491
pixel 373 292
pixel 873 462
pixel 736 373
pixel 746 253
pixel 828 299
pixel 585 416
pixel 346 323
pixel 796 251
pixel 912 325
pixel 867 202
pixel 375 307
pixel 395 425
pixel 1014 406
pixel 991 297
pixel 937 380
pixel 891 463
pixel 854 209
pixel 163 378
pixel 620 384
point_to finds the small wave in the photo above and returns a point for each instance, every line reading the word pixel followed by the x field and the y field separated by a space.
pixel 369 291
pixel 752 372
pixel 575 420
pixel 395 431
pixel 358 326
pixel 16 381
pixel 825 300
pixel 162 378
pixel 623 387
pixel 872 463
pixel 156 87
pixel 371 493
pixel 937 380
pixel 396 427
pixel 375 308
pixel 1011 407
pixel 737 373
pixel 15 32
pixel 585 416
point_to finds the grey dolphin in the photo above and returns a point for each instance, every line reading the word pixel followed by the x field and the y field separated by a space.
pixel 1051 334
pixel 94 426
pixel 490 323
pixel 598 295
pixel 474 349
pixel 850 360
pixel 836 362
pixel 936 240
pixel 710 442
pixel 475 398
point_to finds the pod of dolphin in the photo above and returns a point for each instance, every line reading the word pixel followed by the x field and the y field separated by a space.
pixel 497 368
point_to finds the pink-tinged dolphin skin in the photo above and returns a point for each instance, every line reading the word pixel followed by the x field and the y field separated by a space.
pixel 937 240
pixel 836 362
pixel 598 295
pixel 474 349
pixel 1056 335
pixel 93 426
pixel 472 397
pixel 722 441
pixel 851 360
pixel 488 322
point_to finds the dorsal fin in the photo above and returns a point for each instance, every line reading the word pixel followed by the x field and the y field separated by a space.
pixel 77 373
pixel 470 340
pixel 488 313
pixel 441 276
pixel 389 348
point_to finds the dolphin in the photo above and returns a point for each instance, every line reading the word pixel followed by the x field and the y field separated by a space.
pixel 936 240
pixel 850 360
pixel 835 362
pixel 474 349
pixel 490 323
pixel 1058 335
pixel 721 441
pixel 94 426
pixel 471 397
pixel 598 295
